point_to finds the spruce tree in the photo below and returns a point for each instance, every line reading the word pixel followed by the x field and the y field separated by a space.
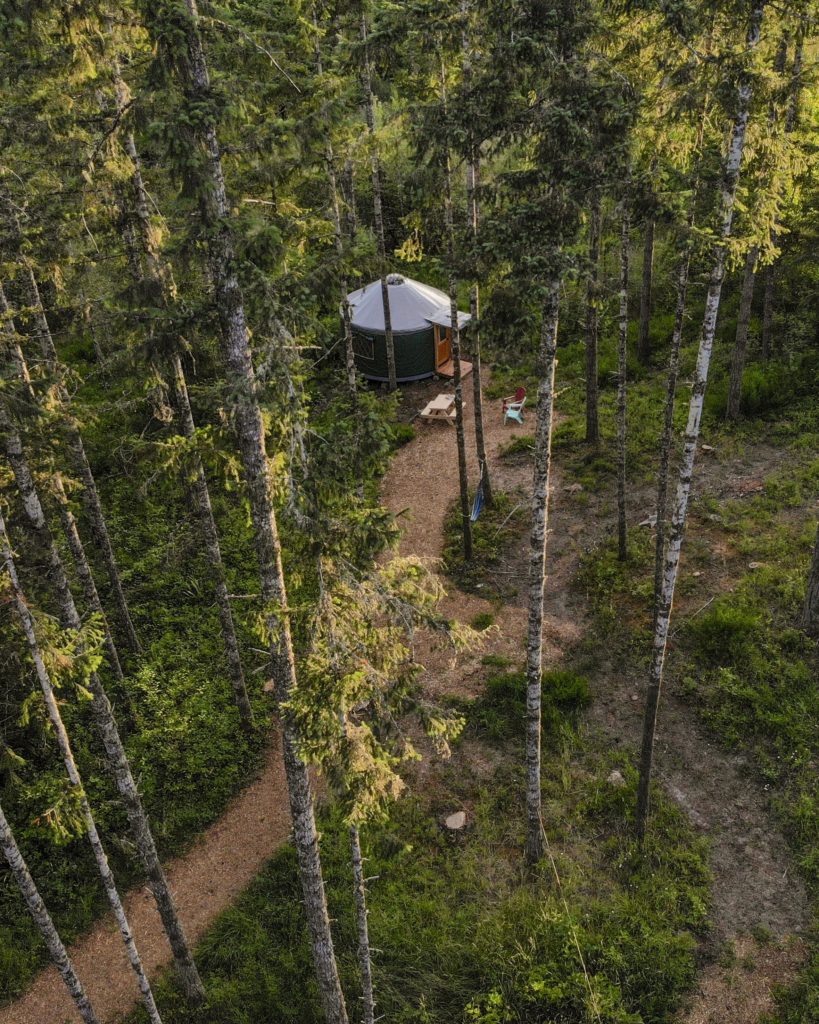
pixel 28 626
pixel 177 33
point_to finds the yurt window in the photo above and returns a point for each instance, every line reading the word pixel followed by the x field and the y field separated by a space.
pixel 364 346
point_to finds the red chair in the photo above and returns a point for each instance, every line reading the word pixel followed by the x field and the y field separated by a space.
pixel 518 397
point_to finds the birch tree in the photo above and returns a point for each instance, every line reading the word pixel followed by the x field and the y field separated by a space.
pixel 42 919
pixel 378 213
pixel 116 757
pixel 622 368
pixel 643 340
pixel 677 527
pixel 52 708
pixel 169 25
pixel 76 447
pixel 809 620
pixel 148 265
pixel 473 165
pixel 455 330
pixel 541 488
pixel 592 324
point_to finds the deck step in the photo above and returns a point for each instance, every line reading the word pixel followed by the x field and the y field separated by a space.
pixel 447 369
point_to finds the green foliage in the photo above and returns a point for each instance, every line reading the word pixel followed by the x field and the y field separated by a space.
pixel 482 621
pixel 498 527
pixel 461 932
pixel 499 713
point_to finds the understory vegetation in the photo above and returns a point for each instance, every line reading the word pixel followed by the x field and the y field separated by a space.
pixel 462 933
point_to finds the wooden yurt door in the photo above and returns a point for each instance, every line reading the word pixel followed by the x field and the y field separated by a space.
pixel 443 346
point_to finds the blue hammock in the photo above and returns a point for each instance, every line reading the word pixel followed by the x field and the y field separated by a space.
pixel 477 504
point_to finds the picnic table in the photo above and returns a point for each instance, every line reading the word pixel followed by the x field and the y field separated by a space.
pixel 442 407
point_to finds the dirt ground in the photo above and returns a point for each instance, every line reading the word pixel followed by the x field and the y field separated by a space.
pixel 754 884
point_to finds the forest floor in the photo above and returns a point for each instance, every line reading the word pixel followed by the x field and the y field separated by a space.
pixel 760 907
pixel 759 904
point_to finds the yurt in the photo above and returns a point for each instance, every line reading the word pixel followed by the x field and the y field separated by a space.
pixel 421 329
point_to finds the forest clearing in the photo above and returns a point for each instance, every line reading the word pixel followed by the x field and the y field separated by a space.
pixel 409 513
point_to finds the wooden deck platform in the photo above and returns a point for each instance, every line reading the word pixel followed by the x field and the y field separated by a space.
pixel 447 369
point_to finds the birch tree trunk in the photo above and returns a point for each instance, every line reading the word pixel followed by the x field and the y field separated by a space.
pixel 378 215
pixel 791 118
pixel 250 434
pixel 91 498
pixel 21 371
pixel 344 305
pixel 210 535
pixel 159 272
pixel 116 757
pixel 741 340
pixel 473 213
pixel 348 190
pixel 55 718
pixel 86 578
pixel 810 609
pixel 672 558
pixel 42 918
pixel 622 366
pixel 472 180
pixel 546 363
pixel 364 958
pixel 455 331
pixel 592 323
pixel 643 345
pixel 668 417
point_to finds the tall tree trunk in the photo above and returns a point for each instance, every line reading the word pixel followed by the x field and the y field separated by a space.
pixel 117 759
pixel 622 366
pixel 250 433
pixel 741 340
pixel 592 323
pixel 643 343
pixel 346 317
pixel 42 918
pixel 364 957
pixel 771 273
pixel 768 310
pixel 91 498
pixel 455 330
pixel 472 179
pixel 810 609
pixel 21 371
pixel 546 362
pixel 473 170
pixel 348 191
pixel 667 439
pixel 159 272
pixel 86 578
pixel 378 215
pixel 55 718
pixel 210 535
pixel 672 559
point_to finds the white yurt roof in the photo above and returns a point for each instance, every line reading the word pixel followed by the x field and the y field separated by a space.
pixel 413 306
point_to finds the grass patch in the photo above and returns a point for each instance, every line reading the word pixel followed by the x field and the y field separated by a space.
pixel 463 933
pixel 498 528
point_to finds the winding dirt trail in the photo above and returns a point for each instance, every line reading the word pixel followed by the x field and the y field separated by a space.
pixel 753 883
pixel 205 881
